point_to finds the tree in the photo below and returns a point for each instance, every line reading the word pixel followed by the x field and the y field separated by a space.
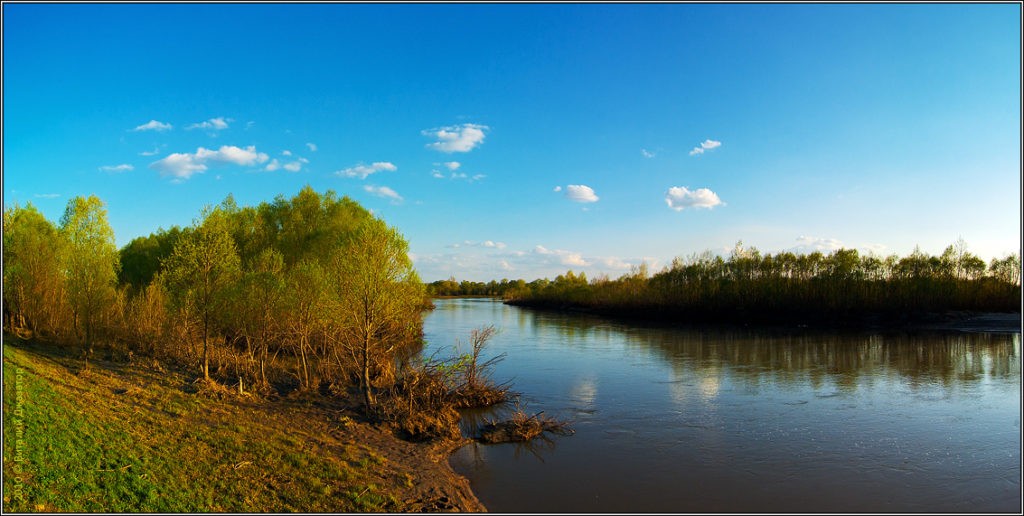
pixel 200 273
pixel 260 296
pixel 33 287
pixel 378 298
pixel 91 263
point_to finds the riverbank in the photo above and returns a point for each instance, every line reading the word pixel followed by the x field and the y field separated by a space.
pixel 143 436
pixel 966 321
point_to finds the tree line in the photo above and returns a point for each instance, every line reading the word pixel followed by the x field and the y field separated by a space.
pixel 311 291
pixel 843 286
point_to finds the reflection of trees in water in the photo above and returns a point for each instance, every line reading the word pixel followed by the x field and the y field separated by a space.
pixel 845 359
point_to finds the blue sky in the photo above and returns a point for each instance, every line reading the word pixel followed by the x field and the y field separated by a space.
pixel 520 141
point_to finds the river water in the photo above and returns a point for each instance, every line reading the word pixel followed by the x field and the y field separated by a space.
pixel 740 420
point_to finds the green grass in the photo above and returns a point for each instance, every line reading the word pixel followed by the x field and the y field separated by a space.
pixel 121 439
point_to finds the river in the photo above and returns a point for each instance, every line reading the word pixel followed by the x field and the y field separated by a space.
pixel 743 420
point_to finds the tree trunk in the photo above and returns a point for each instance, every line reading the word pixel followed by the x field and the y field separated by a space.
pixel 367 389
pixel 206 356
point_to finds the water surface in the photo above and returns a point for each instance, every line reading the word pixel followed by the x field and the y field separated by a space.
pixel 737 420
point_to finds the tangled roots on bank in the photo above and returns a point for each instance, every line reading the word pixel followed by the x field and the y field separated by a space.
pixel 521 427
pixel 479 396
pixel 418 406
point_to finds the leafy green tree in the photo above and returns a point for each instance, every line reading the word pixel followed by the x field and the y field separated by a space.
pixel 260 298
pixel 378 299
pixel 200 273
pixel 91 263
pixel 33 285
pixel 142 258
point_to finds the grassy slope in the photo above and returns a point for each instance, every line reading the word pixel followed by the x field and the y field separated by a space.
pixel 119 437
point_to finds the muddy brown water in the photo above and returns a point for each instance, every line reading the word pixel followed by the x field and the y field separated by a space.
pixel 740 420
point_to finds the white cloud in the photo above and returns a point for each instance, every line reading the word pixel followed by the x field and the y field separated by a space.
pixel 564 257
pixel 679 198
pixel 580 193
pixel 807 244
pixel 273 165
pixel 215 124
pixel 286 153
pixel 117 168
pixel 459 175
pixel 437 174
pixel 231 154
pixel 456 138
pixel 646 153
pixel 452 165
pixel 477 177
pixel 182 166
pixel 153 152
pixel 294 166
pixel 312 147
pixel 153 125
pixel 46 195
pixel 385 192
pixel 705 146
pixel 362 171
pixel 558 189
pixel 486 243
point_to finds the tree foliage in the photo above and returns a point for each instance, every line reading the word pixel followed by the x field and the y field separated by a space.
pixel 91 263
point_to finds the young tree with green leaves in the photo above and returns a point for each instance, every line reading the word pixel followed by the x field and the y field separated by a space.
pixel 200 274
pixel 378 299
pixel 33 285
pixel 91 263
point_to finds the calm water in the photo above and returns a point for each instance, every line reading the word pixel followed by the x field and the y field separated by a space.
pixel 710 420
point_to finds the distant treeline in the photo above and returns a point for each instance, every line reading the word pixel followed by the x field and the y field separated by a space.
pixel 453 287
pixel 748 286
pixel 312 291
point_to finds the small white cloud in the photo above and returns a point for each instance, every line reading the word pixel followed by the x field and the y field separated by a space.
pixel 117 168
pixel 807 244
pixel 564 257
pixel 459 175
pixel 273 165
pixel 505 265
pixel 231 154
pixel 580 193
pixel 705 146
pixel 679 198
pixel 216 124
pixel 452 165
pixel 477 177
pixel 491 244
pixel 286 153
pixel 294 166
pixel 558 189
pixel 180 166
pixel 437 174
pixel 312 147
pixel 362 171
pixel 385 192
pixel 153 152
pixel 153 125
pixel 456 138
pixel 46 195
pixel 646 153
